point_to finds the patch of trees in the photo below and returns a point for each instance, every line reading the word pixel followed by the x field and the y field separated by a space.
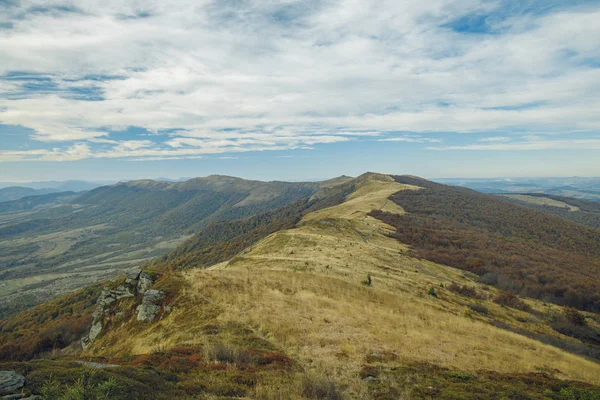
pixel 517 249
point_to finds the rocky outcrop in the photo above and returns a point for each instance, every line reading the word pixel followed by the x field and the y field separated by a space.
pixel 150 305
pixel 144 283
pixel 10 381
pixel 137 282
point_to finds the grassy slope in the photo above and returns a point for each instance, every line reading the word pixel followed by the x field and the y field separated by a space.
pixel 298 294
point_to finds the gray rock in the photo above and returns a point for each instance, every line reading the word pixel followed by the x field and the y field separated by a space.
pixel 18 396
pixel 121 292
pixel 97 365
pixel 149 307
pixel 85 342
pixel 132 276
pixel 153 296
pixel 95 331
pixel 144 283
pixel 11 381
pixel 106 298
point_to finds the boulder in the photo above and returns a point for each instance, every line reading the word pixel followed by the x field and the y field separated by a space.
pixel 149 307
pixel 132 276
pixel 122 292
pixel 11 381
pixel 144 283
pixel 95 330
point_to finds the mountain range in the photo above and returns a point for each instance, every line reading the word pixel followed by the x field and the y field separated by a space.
pixel 375 287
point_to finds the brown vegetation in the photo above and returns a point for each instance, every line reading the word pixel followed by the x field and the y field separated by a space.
pixel 49 326
pixel 514 248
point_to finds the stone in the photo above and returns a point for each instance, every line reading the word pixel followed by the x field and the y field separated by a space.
pixel 11 381
pixel 95 331
pixel 144 283
pixel 95 365
pixel 149 307
pixel 121 292
pixel 132 276
pixel 85 342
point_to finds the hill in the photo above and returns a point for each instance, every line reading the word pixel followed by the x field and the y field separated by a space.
pixel 577 210
pixel 17 192
pixel 515 248
pixel 35 202
pixel 13 191
pixel 92 236
pixel 329 306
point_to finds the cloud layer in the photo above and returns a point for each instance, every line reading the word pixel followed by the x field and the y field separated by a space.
pixel 181 79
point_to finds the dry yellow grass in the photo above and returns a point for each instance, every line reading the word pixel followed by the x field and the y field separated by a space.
pixel 301 289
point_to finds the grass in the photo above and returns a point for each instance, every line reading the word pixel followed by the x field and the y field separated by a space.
pixel 298 293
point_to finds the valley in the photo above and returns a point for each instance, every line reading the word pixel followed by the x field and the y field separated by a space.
pixel 96 235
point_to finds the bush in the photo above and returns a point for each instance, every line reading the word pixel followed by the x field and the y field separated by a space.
pixel 465 290
pixel 510 300
pixel 481 309
pixel 82 389
pixel 432 292
pixel 368 281
pixel 320 387
pixel 224 353
pixel 574 316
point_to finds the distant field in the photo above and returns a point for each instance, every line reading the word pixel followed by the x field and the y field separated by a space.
pixel 542 201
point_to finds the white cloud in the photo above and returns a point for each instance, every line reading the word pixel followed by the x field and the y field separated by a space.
pixel 264 75
pixel 495 139
pixel 410 139
pixel 573 144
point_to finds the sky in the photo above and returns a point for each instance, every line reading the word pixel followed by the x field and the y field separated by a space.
pixel 265 89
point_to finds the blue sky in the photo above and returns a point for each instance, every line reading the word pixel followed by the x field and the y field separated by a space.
pixel 298 89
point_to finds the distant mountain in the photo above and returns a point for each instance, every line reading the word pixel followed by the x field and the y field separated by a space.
pixel 576 187
pixel 109 228
pixel 36 202
pixel 14 191
pixel 64 186
pixel 17 192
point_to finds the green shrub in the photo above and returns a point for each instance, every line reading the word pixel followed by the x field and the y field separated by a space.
pixel 82 389
pixel 368 281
